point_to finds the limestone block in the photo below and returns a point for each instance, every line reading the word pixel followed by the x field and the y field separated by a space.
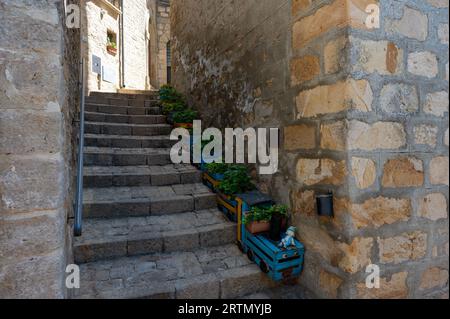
pixel 406 247
pixel 333 136
pixel 439 174
pixel 399 99
pixel 334 55
pixel 301 136
pixel 423 64
pixel 304 69
pixel 330 283
pixel 434 277
pixel 403 172
pixel 413 24
pixel 390 288
pixel 356 255
pixel 382 57
pixel 335 98
pixel 437 103
pixel 31 183
pixel 426 135
pixel 380 211
pixel 380 135
pixel 321 171
pixel 433 207
pixel 364 171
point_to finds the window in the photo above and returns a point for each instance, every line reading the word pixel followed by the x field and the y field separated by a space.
pixel 111 42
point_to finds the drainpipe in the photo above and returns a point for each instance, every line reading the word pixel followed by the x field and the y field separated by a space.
pixel 122 47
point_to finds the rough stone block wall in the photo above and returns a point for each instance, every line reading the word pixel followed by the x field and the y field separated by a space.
pixel 163 31
pixel 146 31
pixel 38 99
pixel 136 20
pixel 364 113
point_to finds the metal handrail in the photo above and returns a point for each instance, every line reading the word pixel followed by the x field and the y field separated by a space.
pixel 78 225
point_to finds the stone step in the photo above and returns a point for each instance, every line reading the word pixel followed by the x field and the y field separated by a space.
pixel 122 101
pixel 129 96
pixel 127 129
pixel 123 110
pixel 146 200
pixel 208 273
pixel 125 119
pixel 98 156
pixel 123 176
pixel 112 238
pixel 123 141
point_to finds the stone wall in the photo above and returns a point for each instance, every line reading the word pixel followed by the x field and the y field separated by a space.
pixel 163 31
pixel 146 30
pixel 364 113
pixel 39 97
pixel 97 19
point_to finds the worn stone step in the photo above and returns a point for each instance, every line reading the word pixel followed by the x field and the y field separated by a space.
pixel 146 200
pixel 127 129
pixel 124 110
pixel 125 119
pixel 123 141
pixel 98 156
pixel 208 273
pixel 99 176
pixel 105 239
pixel 128 96
pixel 122 101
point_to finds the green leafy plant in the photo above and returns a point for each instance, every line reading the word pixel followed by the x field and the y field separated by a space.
pixel 168 94
pixel 236 181
pixel 170 107
pixel 217 168
pixel 186 116
pixel 264 214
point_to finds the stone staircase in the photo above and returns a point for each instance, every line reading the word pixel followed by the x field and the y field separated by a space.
pixel 151 228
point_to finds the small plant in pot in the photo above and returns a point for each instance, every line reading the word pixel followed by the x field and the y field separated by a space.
pixel 236 180
pixel 217 170
pixel 111 47
pixel 185 118
pixel 270 220
pixel 168 94
pixel 170 108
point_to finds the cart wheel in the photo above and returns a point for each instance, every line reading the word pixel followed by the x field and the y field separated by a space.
pixel 241 248
pixel 250 255
pixel 264 267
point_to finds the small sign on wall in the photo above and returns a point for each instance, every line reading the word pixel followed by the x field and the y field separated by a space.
pixel 96 64
pixel 109 74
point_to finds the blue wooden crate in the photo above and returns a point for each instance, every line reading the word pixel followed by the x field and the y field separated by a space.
pixel 279 264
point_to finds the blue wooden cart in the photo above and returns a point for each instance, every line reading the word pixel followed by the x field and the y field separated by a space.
pixel 280 264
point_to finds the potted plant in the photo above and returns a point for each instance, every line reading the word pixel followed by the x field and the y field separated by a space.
pixel 170 108
pixel 271 219
pixel 236 180
pixel 111 47
pixel 257 220
pixel 168 94
pixel 217 170
pixel 184 118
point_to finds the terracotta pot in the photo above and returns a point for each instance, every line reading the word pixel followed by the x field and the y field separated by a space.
pixel 184 125
pixel 258 227
pixel 111 50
